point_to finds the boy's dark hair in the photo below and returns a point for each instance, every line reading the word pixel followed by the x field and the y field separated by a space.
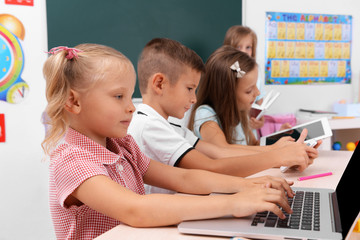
pixel 163 55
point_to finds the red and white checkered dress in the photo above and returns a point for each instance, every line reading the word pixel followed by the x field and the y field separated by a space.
pixel 80 158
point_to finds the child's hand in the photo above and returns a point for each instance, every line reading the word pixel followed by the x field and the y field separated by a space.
pixel 257 124
pixel 285 126
pixel 311 154
pixel 259 200
pixel 310 150
pixel 297 154
pixel 284 141
pixel 274 182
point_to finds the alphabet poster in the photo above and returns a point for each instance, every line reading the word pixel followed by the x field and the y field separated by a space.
pixel 307 48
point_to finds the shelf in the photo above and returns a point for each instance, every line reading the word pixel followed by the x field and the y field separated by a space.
pixel 347 123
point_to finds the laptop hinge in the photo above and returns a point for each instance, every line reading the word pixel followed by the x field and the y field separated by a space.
pixel 336 213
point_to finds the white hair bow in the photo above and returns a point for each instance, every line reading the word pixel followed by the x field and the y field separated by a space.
pixel 236 67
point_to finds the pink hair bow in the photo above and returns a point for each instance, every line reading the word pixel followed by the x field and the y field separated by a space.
pixel 71 52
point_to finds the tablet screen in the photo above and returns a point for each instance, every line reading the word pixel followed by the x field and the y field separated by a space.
pixel 315 130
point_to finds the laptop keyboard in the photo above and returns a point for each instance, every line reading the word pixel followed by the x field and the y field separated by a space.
pixel 306 213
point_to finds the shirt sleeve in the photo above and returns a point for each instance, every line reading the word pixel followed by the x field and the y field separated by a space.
pixel 203 114
pixel 162 143
pixel 185 133
pixel 74 168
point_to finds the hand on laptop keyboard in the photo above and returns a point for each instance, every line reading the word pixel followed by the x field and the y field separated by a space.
pixel 259 200
pixel 306 213
pixel 275 182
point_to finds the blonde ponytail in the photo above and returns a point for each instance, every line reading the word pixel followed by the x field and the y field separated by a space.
pixel 57 91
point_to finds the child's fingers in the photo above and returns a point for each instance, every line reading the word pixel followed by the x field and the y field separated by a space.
pixel 290 182
pixel 311 161
pixel 287 139
pixel 302 167
pixel 303 162
pixel 261 199
pixel 274 208
pixel 285 126
pixel 303 135
pixel 312 153
pixel 286 185
pixel 277 198
pixel 312 156
pixel 282 185
pixel 319 142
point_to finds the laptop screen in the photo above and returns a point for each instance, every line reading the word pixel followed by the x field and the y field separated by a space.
pixel 347 192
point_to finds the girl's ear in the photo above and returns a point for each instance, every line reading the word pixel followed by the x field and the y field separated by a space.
pixel 72 104
pixel 158 82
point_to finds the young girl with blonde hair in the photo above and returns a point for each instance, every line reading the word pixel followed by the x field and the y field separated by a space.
pixel 97 173
pixel 242 38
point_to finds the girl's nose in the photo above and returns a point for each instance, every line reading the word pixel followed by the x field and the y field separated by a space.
pixel 193 99
pixel 131 107
pixel 257 92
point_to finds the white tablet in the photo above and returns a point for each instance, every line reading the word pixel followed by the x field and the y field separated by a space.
pixel 317 130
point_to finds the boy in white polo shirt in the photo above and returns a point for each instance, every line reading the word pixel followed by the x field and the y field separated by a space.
pixel 169 74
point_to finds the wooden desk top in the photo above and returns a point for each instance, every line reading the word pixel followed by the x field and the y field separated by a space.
pixel 328 161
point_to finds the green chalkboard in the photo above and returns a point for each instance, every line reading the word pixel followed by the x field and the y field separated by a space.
pixel 128 25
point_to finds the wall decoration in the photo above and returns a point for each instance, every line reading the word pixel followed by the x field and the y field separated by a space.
pixel 13 89
pixel 2 127
pixel 20 2
pixel 307 48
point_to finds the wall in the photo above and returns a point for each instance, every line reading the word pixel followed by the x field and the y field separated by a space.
pixel 318 97
pixel 24 206
pixel 23 176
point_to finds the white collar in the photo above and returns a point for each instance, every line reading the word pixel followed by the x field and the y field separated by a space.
pixel 149 111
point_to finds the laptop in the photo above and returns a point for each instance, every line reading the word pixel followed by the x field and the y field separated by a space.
pixel 330 215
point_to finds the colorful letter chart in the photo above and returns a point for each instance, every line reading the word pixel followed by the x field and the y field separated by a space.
pixel 306 48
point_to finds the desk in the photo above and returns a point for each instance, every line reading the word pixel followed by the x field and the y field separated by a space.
pixel 328 161
pixel 334 161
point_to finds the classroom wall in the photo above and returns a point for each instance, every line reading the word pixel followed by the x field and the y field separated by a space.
pixel 317 97
pixel 24 207
pixel 24 177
